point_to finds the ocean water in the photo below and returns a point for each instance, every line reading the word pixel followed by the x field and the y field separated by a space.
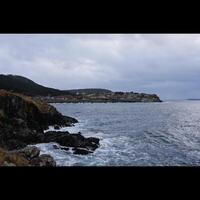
pixel 134 134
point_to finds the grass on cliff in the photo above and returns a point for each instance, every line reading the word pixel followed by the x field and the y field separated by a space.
pixel 42 106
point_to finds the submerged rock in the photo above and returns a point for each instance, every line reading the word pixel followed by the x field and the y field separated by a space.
pixel 71 140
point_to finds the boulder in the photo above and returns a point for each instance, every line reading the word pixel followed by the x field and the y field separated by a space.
pixel 31 155
pixel 71 140
pixel 43 160
pixel 29 152
pixel 12 159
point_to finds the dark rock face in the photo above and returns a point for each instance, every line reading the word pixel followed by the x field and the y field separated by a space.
pixel 35 115
pixel 56 127
pixel 14 137
pixel 81 151
pixel 43 160
pixel 61 147
pixel 19 138
pixel 71 140
pixel 23 121
pixel 30 152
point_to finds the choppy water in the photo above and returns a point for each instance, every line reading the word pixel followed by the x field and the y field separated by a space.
pixel 135 134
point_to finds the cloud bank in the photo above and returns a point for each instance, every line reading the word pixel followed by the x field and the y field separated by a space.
pixel 165 64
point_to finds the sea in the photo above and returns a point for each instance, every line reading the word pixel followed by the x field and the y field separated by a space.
pixel 133 134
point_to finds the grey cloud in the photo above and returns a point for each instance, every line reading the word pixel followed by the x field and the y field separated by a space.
pixel 166 64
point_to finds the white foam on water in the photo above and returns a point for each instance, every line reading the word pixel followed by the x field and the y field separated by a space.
pixel 62 157
pixel 67 158
pixel 71 129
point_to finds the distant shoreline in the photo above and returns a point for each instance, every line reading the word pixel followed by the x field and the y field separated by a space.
pixel 112 97
pixel 193 99
pixel 104 102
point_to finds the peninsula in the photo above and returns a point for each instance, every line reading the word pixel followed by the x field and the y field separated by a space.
pixel 27 87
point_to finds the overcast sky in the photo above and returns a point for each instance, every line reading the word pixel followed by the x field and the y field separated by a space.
pixel 165 64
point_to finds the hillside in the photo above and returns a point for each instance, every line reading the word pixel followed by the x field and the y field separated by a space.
pixel 19 84
pixel 26 86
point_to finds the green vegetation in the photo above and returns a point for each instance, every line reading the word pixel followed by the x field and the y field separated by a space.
pixel 23 85
pixel 26 86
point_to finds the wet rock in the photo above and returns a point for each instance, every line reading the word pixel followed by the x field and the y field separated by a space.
pixel 8 164
pixel 13 138
pixel 43 160
pixel 29 152
pixel 71 140
pixel 56 127
pixel 56 146
pixel 81 151
pixel 22 123
pixel 64 148
pixel 12 159
pixel 70 120
pixel 60 147
pixel 29 156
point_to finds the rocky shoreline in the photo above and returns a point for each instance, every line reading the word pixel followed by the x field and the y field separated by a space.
pixel 22 123
pixel 101 97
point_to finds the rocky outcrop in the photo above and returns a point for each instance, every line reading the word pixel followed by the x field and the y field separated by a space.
pixel 81 151
pixel 36 115
pixel 19 138
pixel 29 156
pixel 72 140
pixel 22 122
pixel 32 155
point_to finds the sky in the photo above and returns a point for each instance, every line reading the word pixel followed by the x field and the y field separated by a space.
pixel 164 64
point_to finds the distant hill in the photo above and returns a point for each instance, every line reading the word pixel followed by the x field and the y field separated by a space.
pixel 19 84
pixel 26 86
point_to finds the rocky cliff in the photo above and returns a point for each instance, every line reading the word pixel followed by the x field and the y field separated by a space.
pixel 28 87
pixel 36 114
pixel 23 121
